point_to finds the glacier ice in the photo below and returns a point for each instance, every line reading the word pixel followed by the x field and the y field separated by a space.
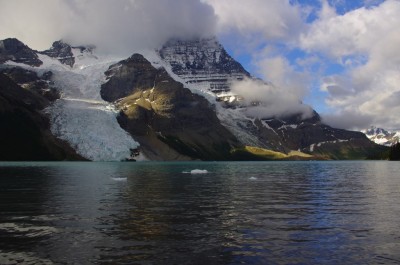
pixel 81 117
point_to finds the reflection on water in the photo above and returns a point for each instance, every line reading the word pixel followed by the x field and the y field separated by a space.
pixel 153 213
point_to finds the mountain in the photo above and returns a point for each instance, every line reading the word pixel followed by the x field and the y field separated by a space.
pixel 206 68
pixel 16 51
pixel 166 119
pixel 174 103
pixel 382 136
pixel 203 63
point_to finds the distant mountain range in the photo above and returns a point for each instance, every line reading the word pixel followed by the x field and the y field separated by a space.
pixel 174 103
pixel 382 136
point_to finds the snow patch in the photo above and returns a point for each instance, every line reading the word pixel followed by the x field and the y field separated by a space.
pixel 312 147
pixel 292 126
pixel 266 125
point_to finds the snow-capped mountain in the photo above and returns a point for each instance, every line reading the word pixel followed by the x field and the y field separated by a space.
pixel 382 136
pixel 204 65
pixel 174 103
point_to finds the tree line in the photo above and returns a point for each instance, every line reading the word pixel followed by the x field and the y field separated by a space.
pixel 394 152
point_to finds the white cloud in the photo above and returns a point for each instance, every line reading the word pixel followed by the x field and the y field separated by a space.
pixel 372 76
pixel 258 20
pixel 36 23
pixel 278 70
pixel 351 33
pixel 117 26
pixel 348 120
pixel 275 101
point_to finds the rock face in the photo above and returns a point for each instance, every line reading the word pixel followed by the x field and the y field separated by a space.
pixel 16 51
pixel 168 121
pixel 30 81
pixel 61 51
pixel 24 129
pixel 311 136
pixel 203 62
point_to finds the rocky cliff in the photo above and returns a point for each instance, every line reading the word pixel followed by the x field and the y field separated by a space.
pixel 168 121
pixel 203 62
pixel 14 50
pixel 62 52
pixel 24 129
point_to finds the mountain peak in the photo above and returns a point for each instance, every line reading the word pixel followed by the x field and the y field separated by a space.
pixel 10 42
pixel 12 49
pixel 382 136
pixel 375 130
pixel 61 51
pixel 204 62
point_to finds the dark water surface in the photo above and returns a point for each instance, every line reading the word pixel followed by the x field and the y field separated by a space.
pixel 237 213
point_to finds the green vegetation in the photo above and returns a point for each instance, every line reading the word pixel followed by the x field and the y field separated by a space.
pixel 261 154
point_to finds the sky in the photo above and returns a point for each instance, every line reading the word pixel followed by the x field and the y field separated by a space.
pixel 339 56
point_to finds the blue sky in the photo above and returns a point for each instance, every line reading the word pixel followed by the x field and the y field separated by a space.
pixel 339 56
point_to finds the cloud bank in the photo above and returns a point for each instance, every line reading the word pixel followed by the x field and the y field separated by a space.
pixel 274 102
pixel 113 26
pixel 258 20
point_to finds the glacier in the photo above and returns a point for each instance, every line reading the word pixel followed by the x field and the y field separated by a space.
pixel 80 116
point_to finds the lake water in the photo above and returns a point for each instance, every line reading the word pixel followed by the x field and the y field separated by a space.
pixel 236 213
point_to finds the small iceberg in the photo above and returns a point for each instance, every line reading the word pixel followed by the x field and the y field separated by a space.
pixel 196 171
pixel 119 179
pixel 253 178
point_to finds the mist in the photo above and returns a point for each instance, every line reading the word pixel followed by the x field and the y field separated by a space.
pixel 120 27
pixel 274 102
pixel 348 120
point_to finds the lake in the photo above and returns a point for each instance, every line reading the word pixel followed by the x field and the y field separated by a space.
pixel 229 213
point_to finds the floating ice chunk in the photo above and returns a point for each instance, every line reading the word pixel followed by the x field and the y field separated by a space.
pixel 196 171
pixel 199 171
pixel 253 178
pixel 120 179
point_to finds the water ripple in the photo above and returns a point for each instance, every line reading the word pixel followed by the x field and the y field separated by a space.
pixel 151 213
